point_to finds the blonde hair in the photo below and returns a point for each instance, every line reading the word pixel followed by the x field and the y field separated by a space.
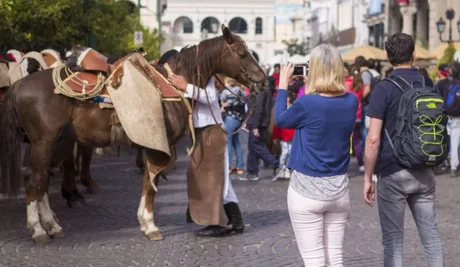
pixel 326 73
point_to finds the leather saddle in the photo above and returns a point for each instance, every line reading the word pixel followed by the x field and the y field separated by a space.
pixel 86 76
pixel 93 61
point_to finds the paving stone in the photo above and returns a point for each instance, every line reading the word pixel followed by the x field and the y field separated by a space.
pixel 106 231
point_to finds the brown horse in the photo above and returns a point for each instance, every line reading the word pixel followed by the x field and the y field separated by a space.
pixel 54 122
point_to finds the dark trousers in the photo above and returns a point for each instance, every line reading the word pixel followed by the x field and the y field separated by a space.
pixel 356 143
pixel 257 149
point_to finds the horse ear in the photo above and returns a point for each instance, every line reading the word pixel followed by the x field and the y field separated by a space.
pixel 227 34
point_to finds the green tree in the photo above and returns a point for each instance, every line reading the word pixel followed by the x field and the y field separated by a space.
pixel 294 47
pixel 447 58
pixel 39 24
pixel 33 25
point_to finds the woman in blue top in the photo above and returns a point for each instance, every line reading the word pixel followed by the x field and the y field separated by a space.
pixel 324 118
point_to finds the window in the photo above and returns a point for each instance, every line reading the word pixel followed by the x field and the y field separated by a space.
pixel 183 25
pixel 211 24
pixel 258 26
pixel 238 25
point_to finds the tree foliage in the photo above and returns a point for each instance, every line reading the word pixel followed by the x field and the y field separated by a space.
pixel 34 25
pixel 447 58
pixel 296 47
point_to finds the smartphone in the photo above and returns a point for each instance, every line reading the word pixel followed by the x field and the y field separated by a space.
pixel 300 70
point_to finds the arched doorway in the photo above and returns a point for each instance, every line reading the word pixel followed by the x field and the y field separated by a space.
pixel 238 25
pixel 211 24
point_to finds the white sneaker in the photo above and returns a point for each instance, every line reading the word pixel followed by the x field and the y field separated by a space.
pixel 361 169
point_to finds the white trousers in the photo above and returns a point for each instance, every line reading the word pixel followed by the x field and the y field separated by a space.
pixel 229 194
pixel 454 142
pixel 319 228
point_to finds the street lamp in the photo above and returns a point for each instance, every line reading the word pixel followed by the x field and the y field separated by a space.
pixel 441 26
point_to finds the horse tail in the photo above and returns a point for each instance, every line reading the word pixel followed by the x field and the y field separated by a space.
pixel 10 150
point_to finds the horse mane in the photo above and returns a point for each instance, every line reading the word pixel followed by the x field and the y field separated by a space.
pixel 207 60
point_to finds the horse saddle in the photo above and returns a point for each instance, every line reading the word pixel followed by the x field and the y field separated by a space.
pixel 86 82
pixel 93 61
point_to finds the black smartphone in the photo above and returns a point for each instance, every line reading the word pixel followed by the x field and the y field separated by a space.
pixel 300 70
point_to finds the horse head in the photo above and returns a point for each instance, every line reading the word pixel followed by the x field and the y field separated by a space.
pixel 237 62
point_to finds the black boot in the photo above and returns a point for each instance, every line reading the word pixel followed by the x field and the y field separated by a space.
pixel 214 231
pixel 235 220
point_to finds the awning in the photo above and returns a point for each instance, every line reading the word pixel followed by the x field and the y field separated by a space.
pixel 422 54
pixel 367 51
pixel 438 52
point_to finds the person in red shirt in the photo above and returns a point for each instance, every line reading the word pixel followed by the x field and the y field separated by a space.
pixel 285 137
pixel 276 75
pixel 355 85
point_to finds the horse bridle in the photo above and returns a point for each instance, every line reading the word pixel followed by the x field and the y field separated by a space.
pixel 245 71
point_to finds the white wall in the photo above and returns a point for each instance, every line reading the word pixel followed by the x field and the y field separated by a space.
pixel 223 11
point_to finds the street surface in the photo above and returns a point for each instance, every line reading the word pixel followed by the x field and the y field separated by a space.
pixel 106 231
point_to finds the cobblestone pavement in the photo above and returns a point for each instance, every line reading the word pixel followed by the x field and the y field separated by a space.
pixel 106 231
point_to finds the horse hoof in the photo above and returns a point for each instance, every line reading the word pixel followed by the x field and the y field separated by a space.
pixel 155 236
pixel 93 189
pixel 59 234
pixel 42 239
pixel 74 204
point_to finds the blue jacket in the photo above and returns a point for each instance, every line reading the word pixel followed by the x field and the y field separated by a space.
pixel 324 125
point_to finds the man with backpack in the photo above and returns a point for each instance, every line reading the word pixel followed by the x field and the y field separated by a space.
pixel 407 137
pixel 450 90
pixel 370 78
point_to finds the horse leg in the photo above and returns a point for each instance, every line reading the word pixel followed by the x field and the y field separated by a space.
pixel 40 217
pixel 140 163
pixel 145 210
pixel 85 176
pixel 69 186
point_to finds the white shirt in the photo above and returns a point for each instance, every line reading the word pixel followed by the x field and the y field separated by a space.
pixel 204 116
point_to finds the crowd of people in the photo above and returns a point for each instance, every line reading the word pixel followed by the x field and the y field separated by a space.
pixel 336 111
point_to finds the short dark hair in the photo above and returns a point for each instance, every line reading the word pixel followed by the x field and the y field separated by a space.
pixel 443 67
pixel 359 61
pixel 400 49
pixel 277 66
pixel 455 68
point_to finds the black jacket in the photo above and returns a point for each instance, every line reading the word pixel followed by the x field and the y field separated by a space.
pixel 261 115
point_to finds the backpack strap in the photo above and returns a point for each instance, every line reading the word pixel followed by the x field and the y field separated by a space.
pixel 389 140
pixel 402 84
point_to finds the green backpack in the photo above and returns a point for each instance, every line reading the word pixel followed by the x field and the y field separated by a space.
pixel 421 134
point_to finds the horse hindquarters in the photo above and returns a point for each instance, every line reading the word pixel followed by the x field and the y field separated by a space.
pixel 10 139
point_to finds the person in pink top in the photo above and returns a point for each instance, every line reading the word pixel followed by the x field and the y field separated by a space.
pixel 354 85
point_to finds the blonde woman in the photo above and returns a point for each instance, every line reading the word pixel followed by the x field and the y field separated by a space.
pixel 318 199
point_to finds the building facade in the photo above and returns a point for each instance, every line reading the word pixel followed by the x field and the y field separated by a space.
pixel 415 17
pixel 187 22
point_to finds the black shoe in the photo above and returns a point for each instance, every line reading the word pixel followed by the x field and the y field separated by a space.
pixel 235 219
pixel 214 231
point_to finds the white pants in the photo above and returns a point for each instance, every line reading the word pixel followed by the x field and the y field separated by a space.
pixel 454 142
pixel 319 228
pixel 285 151
pixel 229 194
